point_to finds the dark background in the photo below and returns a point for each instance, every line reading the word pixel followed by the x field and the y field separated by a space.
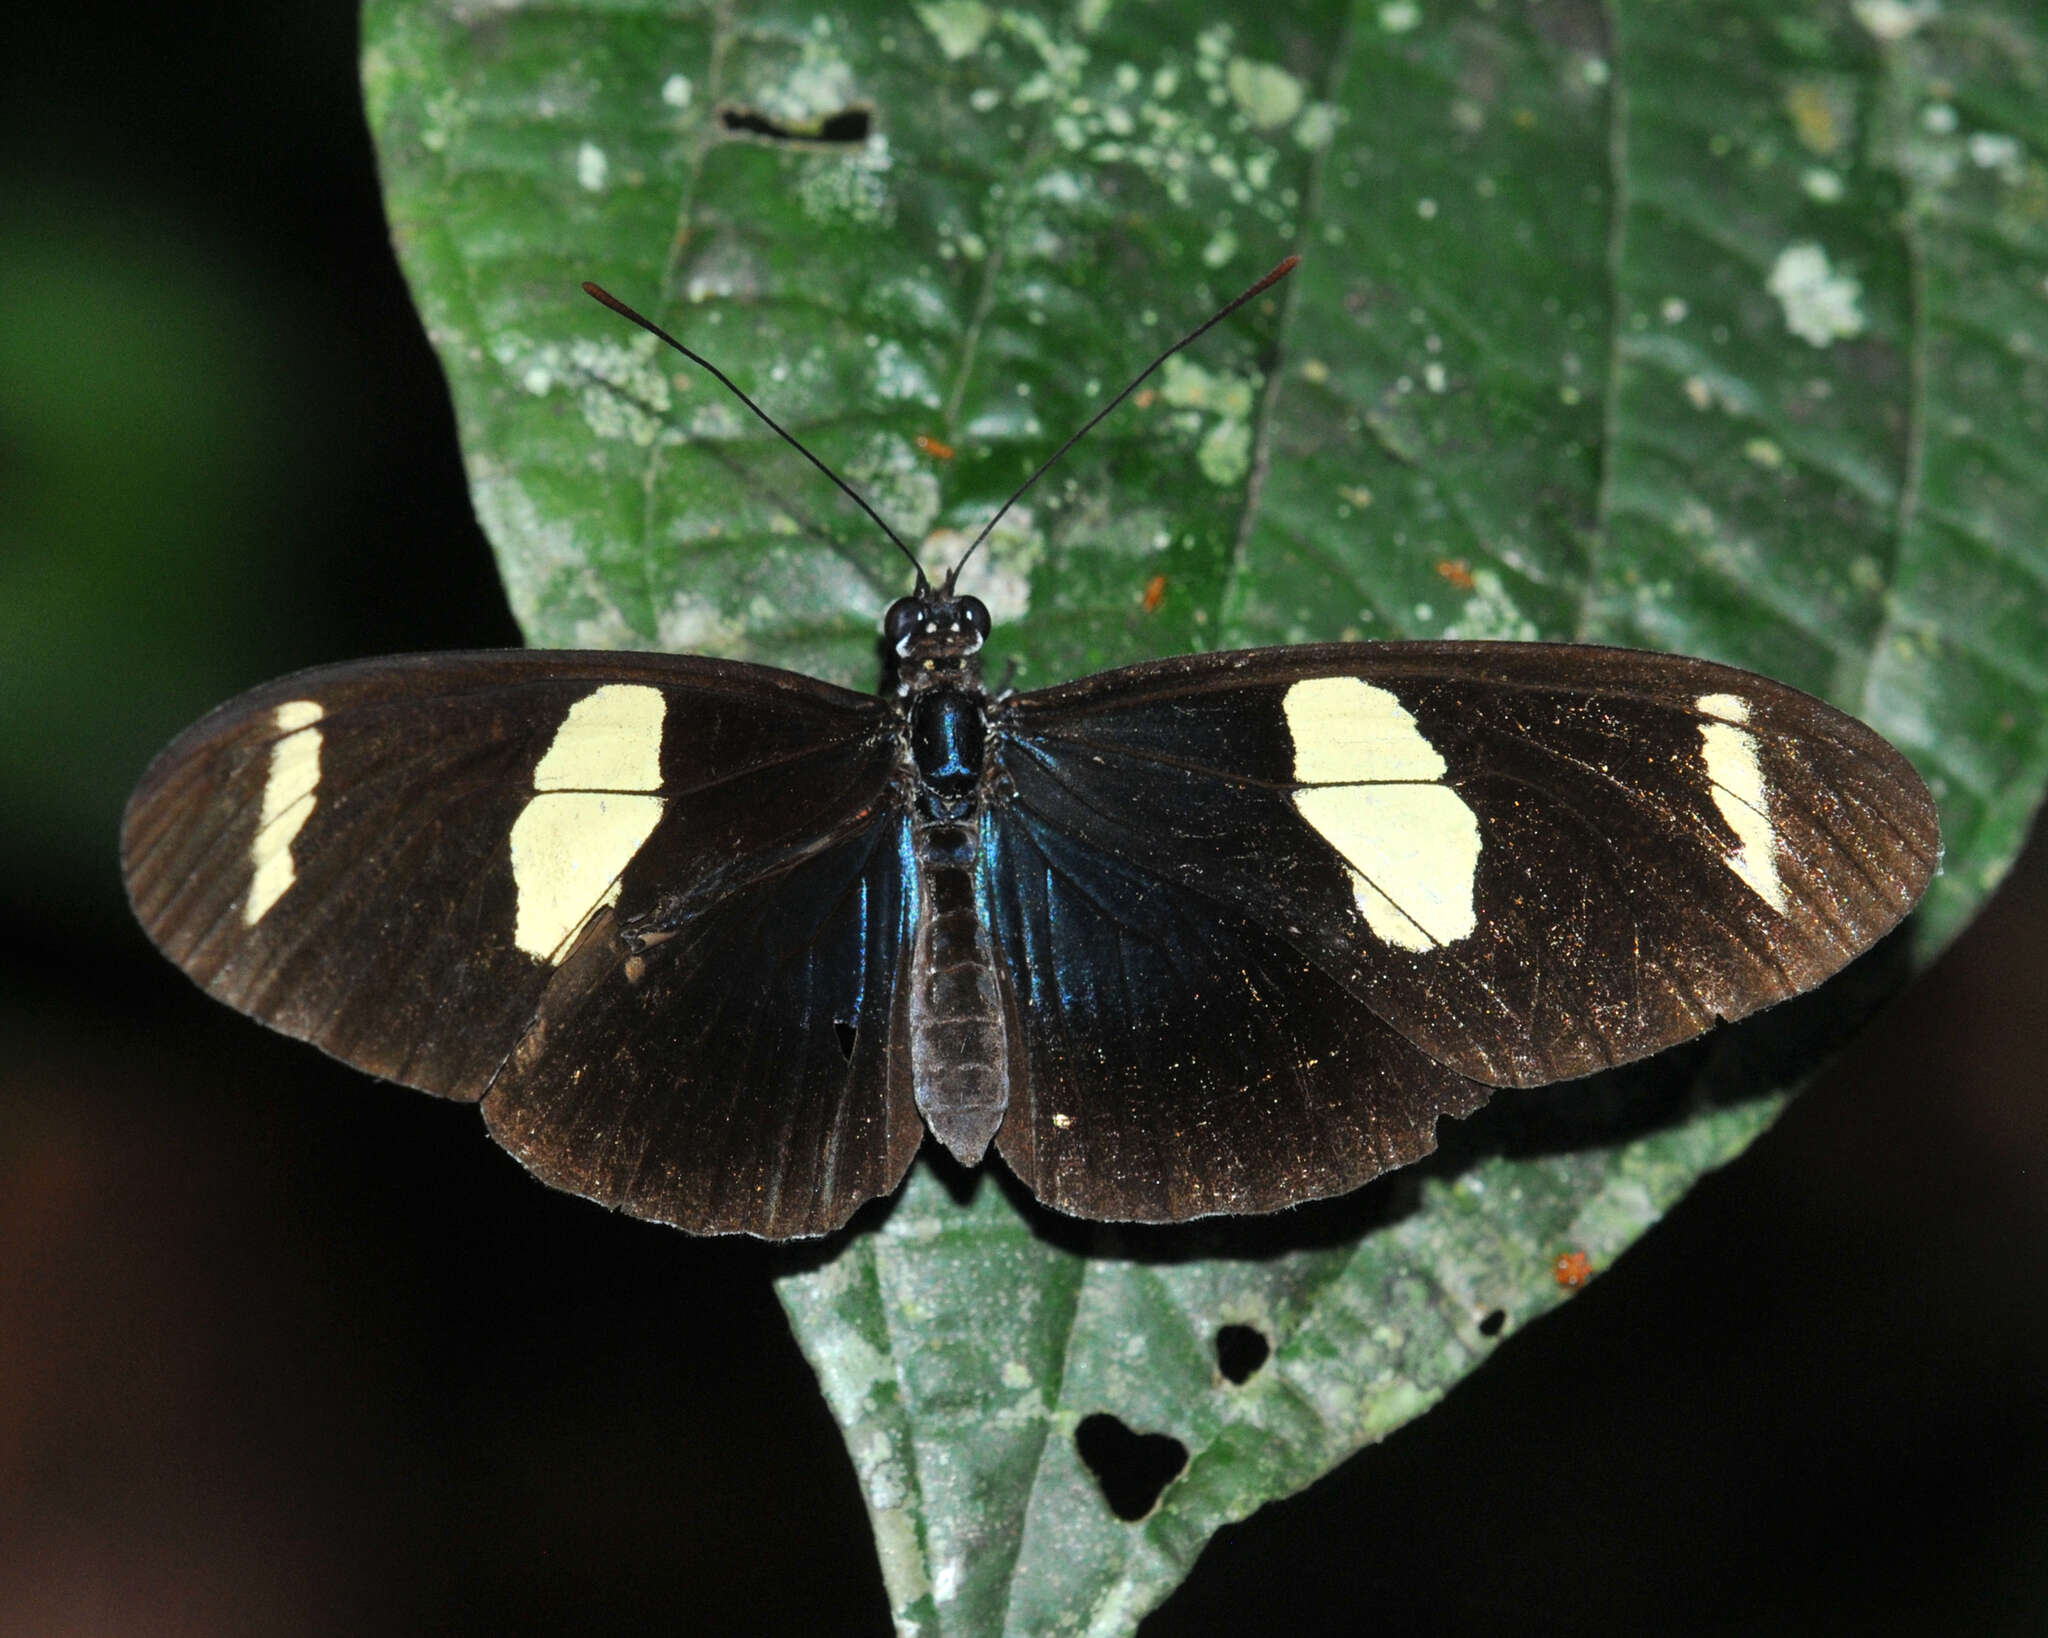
pixel 283 1351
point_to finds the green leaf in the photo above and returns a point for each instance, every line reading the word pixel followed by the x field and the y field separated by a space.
pixel 1713 327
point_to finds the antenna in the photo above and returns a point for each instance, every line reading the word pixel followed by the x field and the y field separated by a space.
pixel 599 293
pixel 1208 324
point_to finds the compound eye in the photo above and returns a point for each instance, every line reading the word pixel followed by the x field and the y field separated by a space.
pixel 975 612
pixel 900 621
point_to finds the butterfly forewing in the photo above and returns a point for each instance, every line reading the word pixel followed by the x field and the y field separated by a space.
pixel 443 867
pixel 1531 861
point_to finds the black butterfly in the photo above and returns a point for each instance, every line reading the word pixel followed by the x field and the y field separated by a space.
pixel 713 943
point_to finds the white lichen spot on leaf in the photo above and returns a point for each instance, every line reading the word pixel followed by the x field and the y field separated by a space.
pixel 447 114
pixel 851 187
pixel 1267 94
pixel 886 1487
pixel 1000 573
pixel 1225 455
pixel 541 559
pixel 1821 185
pixel 1821 304
pixel 1062 60
pixel 1187 385
pixel 1890 21
pixel 898 482
pixel 1128 117
pixel 1695 520
pixel 901 379
pixel 607 627
pixel 620 385
pixel 1995 151
pixel 821 83
pixel 1317 125
pixel 958 26
pixel 612 417
pixel 717 422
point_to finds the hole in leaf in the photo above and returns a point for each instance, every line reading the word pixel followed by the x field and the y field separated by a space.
pixel 1240 1351
pixel 1495 1322
pixel 1131 1468
pixel 847 1033
pixel 848 128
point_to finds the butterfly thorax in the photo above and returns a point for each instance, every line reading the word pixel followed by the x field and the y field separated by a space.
pixel 957 1014
pixel 934 640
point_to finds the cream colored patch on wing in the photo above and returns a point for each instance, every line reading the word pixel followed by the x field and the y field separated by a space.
pixel 583 827
pixel 568 848
pixel 609 741
pixel 1413 852
pixel 1728 707
pixel 1345 731
pixel 296 714
pixel 1371 789
pixel 1735 775
pixel 290 791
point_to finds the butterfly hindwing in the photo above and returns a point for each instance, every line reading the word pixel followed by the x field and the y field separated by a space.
pixel 1183 1059
pixel 1532 861
pixel 734 1076
pixel 440 867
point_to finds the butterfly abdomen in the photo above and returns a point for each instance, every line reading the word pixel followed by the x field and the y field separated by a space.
pixel 959 1037
pixel 960 1048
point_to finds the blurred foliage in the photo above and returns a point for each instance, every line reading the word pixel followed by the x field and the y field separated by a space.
pixel 146 481
pixel 1717 328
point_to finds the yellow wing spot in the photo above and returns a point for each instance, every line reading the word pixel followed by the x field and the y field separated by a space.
pixel 1735 777
pixel 1371 788
pixel 586 821
pixel 290 792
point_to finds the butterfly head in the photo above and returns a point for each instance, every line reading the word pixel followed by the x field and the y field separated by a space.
pixel 934 631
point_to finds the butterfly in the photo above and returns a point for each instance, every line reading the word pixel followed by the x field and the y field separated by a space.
pixel 716 944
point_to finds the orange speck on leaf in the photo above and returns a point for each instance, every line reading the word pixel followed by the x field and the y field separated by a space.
pixel 932 447
pixel 1572 1269
pixel 1456 572
pixel 1144 398
pixel 1155 593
